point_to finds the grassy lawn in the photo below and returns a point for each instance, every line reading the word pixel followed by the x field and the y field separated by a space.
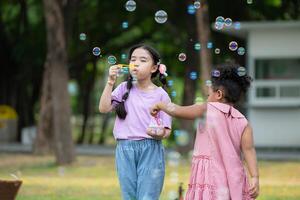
pixel 95 178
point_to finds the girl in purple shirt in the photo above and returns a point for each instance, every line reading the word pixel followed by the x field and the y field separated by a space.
pixel 139 157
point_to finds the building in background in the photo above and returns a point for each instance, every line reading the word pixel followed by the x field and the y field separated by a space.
pixel 273 60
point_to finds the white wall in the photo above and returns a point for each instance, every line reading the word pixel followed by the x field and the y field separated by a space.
pixel 274 43
pixel 274 126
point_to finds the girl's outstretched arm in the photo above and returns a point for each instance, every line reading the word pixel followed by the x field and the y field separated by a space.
pixel 185 112
pixel 250 158
pixel 105 100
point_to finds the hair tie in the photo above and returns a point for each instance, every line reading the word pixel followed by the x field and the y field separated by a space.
pixel 162 69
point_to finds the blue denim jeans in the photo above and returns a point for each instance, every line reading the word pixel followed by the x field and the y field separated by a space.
pixel 141 168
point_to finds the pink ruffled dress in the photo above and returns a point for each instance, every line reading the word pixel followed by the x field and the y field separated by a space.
pixel 217 171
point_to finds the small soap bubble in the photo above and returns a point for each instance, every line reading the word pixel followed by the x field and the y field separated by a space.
pixel 125 25
pixel 182 57
pixel 130 5
pixel 173 93
pixel 112 60
pixel 181 137
pixel 217 51
pixel 237 25
pixel 193 75
pixel 249 1
pixel 161 16
pixel 233 45
pixel 228 22
pixel 215 73
pixel 241 51
pixel 241 71
pixel 123 56
pixel 96 51
pixel 191 9
pixel 82 36
pixel 209 45
pixel 197 46
pixel 170 83
pixel 197 4
pixel 173 158
pixel 208 83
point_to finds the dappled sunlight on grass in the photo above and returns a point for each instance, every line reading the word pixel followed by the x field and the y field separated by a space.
pixel 94 177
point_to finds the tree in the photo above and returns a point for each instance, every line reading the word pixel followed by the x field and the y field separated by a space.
pixel 54 124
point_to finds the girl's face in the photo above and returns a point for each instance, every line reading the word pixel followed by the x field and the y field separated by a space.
pixel 142 63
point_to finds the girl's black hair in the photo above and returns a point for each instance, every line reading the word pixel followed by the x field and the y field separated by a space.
pixel 232 79
pixel 120 108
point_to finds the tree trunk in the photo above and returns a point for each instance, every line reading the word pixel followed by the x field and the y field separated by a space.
pixel 203 27
pixel 44 139
pixel 105 120
pixel 87 100
pixel 190 86
pixel 55 96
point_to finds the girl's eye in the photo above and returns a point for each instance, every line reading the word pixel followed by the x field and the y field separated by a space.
pixel 132 60
pixel 144 60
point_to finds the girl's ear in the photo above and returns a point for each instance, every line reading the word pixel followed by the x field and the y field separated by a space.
pixel 220 94
pixel 154 68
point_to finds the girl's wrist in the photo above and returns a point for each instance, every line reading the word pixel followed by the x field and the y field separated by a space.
pixel 110 82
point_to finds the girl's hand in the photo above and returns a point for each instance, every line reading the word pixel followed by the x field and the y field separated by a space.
pixel 254 187
pixel 113 71
pixel 158 135
pixel 154 110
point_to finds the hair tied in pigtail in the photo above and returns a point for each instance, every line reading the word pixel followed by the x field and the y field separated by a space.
pixel 162 69
pixel 215 73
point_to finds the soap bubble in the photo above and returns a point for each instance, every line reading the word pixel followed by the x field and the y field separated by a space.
pixel 173 93
pixel 130 5
pixel 217 51
pixel 208 83
pixel 96 51
pixel 241 71
pixel 193 75
pixel 209 45
pixel 197 4
pixel 125 25
pixel 182 57
pixel 197 46
pixel 241 51
pixel 170 83
pixel 111 60
pixel 181 137
pixel 82 36
pixel 161 16
pixel 228 22
pixel 233 45
pixel 191 9
pixel 173 158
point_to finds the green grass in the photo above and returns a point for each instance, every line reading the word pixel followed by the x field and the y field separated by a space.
pixel 95 178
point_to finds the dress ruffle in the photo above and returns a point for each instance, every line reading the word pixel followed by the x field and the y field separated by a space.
pixel 202 184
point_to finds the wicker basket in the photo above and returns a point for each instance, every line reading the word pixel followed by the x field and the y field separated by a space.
pixel 9 189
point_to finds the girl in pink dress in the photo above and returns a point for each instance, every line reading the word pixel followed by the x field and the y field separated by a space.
pixel 217 171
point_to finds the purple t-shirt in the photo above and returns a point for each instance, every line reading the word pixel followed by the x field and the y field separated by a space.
pixel 138 106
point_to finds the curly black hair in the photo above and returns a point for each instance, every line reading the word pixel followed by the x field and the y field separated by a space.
pixel 232 79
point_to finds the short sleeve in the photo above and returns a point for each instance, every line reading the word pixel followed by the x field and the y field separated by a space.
pixel 166 119
pixel 118 92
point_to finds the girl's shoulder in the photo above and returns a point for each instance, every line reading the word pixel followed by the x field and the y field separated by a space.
pixel 224 108
pixel 163 93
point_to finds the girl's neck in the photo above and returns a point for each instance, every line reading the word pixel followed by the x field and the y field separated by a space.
pixel 225 102
pixel 145 84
